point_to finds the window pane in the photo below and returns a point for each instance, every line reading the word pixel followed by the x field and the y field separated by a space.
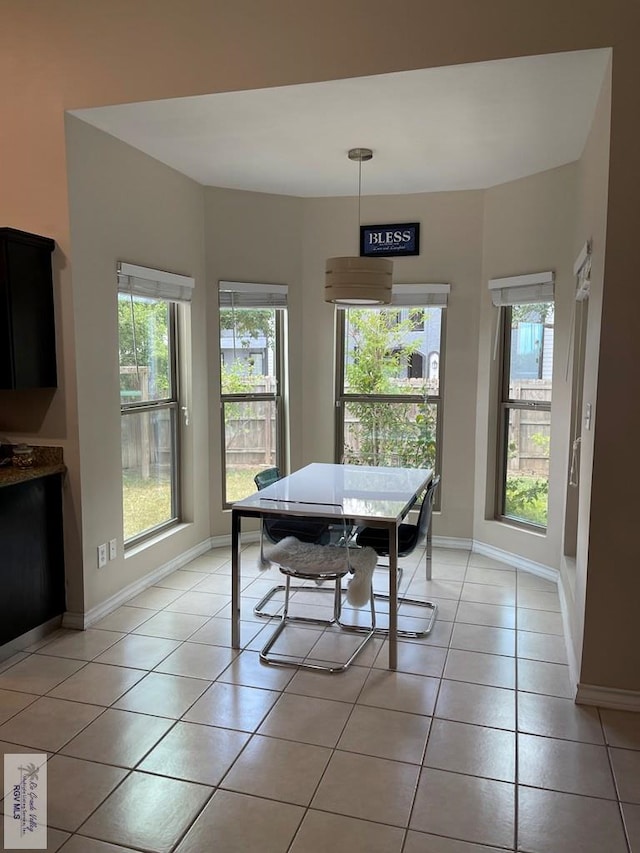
pixel 527 475
pixel 396 434
pixel 145 358
pixel 247 350
pixel 391 351
pixel 147 469
pixel 531 352
pixel 250 444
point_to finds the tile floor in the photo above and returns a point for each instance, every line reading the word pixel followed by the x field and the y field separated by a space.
pixel 162 738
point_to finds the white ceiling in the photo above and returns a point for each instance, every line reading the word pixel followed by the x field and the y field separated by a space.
pixel 452 128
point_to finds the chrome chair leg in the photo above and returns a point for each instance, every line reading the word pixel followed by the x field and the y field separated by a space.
pixel 303 662
pixel 259 607
pixel 402 599
pixel 401 632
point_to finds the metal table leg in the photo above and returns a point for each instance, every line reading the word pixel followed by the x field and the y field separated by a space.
pixel 393 596
pixel 235 579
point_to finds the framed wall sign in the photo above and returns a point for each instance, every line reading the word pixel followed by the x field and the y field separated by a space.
pixel 390 240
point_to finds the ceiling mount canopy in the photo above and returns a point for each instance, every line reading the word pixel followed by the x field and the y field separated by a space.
pixel 358 280
pixel 360 155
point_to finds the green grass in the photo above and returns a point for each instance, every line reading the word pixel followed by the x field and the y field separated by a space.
pixel 240 482
pixel 146 503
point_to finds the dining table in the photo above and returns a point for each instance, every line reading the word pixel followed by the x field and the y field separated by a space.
pixel 349 495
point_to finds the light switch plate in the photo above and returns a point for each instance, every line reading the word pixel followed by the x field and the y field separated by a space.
pixel 113 549
pixel 102 555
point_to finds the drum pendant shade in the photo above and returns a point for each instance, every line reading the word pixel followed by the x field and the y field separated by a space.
pixel 358 281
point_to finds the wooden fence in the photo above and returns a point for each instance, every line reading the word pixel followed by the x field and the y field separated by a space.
pixel 529 431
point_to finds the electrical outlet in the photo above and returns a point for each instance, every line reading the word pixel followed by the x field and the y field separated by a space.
pixel 113 549
pixel 102 555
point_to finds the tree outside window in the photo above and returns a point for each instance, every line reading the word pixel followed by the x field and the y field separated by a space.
pixel 388 406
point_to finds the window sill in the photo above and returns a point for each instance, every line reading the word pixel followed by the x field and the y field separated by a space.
pixel 140 547
pixel 541 532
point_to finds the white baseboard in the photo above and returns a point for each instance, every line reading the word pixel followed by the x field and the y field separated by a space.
pixel 225 541
pixel 539 569
pixel 80 621
pixel 608 697
pixel 20 644
pixel 452 542
pixel 74 621
pixel 572 660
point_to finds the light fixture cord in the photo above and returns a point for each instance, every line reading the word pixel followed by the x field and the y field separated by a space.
pixel 359 190
pixel 133 333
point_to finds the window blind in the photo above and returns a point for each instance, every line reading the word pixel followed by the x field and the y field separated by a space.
pixel 412 296
pixel 522 289
pixel 582 271
pixel 154 284
pixel 245 294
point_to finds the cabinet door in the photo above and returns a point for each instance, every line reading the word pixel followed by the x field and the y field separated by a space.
pixel 32 589
pixel 28 354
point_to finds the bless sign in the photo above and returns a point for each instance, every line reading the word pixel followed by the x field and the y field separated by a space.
pixel 403 239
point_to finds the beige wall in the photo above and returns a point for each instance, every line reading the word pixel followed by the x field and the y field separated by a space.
pixel 126 206
pixel 68 54
pixel 591 223
pixel 604 566
pixel 253 237
pixel 528 227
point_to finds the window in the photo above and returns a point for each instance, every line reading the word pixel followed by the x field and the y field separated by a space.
pixel 525 399
pixel 149 397
pixel 389 388
pixel 252 326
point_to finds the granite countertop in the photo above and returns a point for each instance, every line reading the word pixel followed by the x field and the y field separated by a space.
pixel 47 461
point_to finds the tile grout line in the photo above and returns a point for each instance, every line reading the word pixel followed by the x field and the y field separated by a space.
pixel 335 749
pixel 433 717
pixel 516 765
pixel 616 787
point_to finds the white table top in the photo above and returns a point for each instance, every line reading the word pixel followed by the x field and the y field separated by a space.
pixel 355 491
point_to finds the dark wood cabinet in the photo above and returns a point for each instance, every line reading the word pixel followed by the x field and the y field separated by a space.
pixel 32 587
pixel 27 325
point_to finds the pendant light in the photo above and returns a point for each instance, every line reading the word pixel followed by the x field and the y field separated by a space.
pixel 358 280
